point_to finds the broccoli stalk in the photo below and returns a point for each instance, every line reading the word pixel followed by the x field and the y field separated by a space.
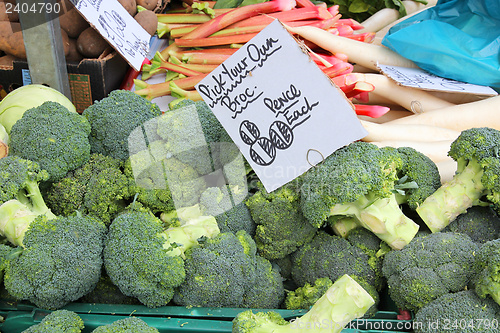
pixel 20 197
pixel 344 301
pixel 476 178
pixel 359 180
pixel 382 216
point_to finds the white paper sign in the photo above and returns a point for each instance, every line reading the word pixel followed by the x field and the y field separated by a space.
pixel 118 27
pixel 284 114
pixel 418 78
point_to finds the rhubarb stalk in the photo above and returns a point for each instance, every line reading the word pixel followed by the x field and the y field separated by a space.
pixel 151 91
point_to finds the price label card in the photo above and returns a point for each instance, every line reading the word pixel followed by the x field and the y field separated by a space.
pixel 418 78
pixel 118 27
pixel 277 105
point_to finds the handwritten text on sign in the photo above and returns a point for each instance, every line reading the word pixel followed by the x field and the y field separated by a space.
pixel 278 106
pixel 118 27
pixel 418 78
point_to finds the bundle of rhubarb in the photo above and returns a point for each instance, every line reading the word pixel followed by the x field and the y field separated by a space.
pixel 203 37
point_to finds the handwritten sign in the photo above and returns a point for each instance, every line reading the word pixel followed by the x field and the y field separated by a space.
pixel 418 78
pixel 279 108
pixel 118 27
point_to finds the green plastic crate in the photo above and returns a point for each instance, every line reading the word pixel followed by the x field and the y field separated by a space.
pixel 173 319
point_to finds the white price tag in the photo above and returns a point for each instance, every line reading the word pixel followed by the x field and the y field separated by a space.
pixel 279 108
pixel 118 27
pixel 418 78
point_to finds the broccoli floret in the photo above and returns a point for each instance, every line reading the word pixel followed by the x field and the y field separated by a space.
pixel 229 210
pixel 481 223
pixel 281 226
pixel 460 312
pixel 225 271
pixel 5 250
pixel 61 261
pixel 105 292
pixel 418 177
pixel 127 325
pixel 304 297
pixel 374 248
pixel 113 118
pixel 359 180
pixel 284 266
pixel 145 259
pixel 344 301
pixel 486 280
pixel 99 188
pixel 20 197
pixel 52 136
pixel 428 267
pixel 330 256
pixel 478 166
pixel 60 321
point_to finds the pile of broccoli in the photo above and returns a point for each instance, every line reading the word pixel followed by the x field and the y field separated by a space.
pixel 125 204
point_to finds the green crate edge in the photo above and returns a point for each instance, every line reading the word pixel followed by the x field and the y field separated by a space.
pixel 177 319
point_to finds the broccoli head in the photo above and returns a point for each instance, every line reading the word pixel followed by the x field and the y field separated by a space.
pixel 129 324
pixel 342 302
pixel 486 280
pixel 281 226
pixel 359 180
pixel 99 188
pixel 460 312
pixel 144 258
pixel 59 321
pixel 229 209
pixel 105 292
pixel 225 271
pixel 52 136
pixel 61 261
pixel 330 256
pixel 20 197
pixel 113 118
pixel 429 267
pixel 304 297
pixel 476 179
pixel 481 223
pixel 418 177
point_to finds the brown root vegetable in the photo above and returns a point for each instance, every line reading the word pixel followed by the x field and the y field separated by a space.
pixel 71 20
pixel 130 6
pixel 149 4
pixel 7 60
pixel 90 43
pixel 7 13
pixel 11 39
pixel 73 54
pixel 148 20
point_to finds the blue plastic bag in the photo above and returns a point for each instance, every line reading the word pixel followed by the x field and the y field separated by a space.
pixel 456 39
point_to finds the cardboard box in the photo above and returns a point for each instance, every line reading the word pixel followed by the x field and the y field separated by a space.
pixel 89 79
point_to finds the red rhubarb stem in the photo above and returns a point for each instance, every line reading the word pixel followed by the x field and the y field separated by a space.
pixel 151 91
pixel 214 41
pixel 238 14
pixel 373 111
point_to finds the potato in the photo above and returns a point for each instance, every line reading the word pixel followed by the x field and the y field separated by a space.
pixel 148 20
pixel 11 39
pixel 149 4
pixel 90 43
pixel 73 54
pixel 7 60
pixel 71 20
pixel 130 6
pixel 7 12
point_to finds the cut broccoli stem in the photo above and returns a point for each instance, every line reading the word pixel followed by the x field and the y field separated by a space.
pixel 383 217
pixel 453 198
pixel 15 218
pixel 344 301
pixel 342 225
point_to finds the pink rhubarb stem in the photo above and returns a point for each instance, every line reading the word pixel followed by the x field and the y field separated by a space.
pixel 190 17
pixel 238 14
pixel 373 111
pixel 305 3
pixel 214 41
pixel 357 88
pixel 151 91
pixel 206 56
pixel 298 14
pixel 340 68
